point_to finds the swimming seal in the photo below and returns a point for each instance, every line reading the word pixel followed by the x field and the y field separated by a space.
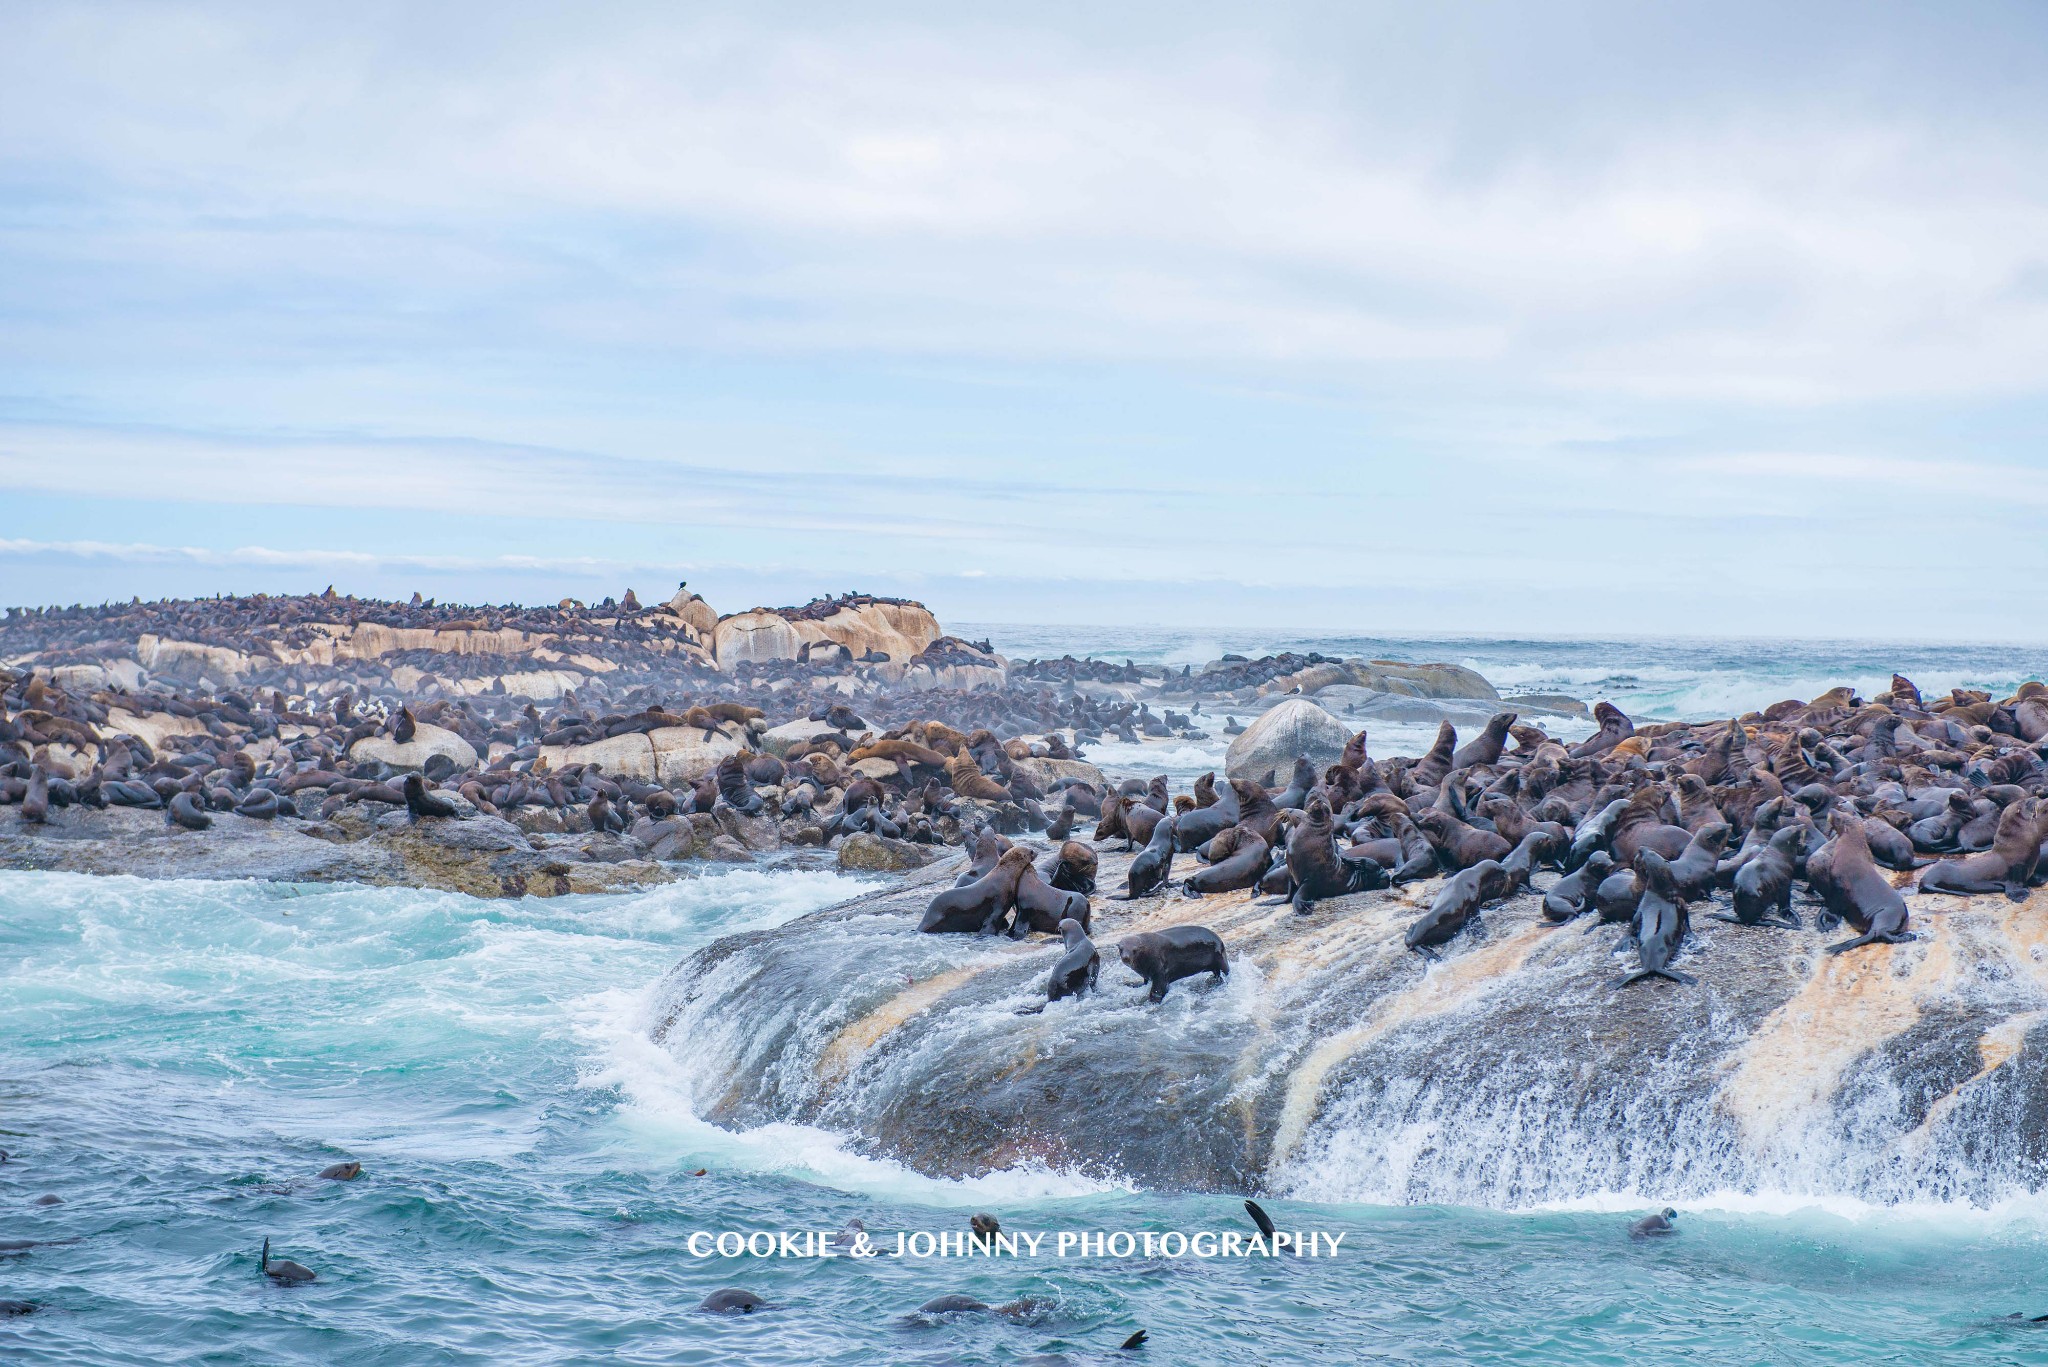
pixel 1653 1225
pixel 284 1271
pixel 1164 957
pixel 732 1300
pixel 342 1172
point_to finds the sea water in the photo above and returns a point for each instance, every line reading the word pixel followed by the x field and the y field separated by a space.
pixel 178 1059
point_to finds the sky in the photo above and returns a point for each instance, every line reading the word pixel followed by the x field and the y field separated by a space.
pixel 1688 319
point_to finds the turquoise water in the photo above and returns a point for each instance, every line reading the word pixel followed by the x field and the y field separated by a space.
pixel 178 1059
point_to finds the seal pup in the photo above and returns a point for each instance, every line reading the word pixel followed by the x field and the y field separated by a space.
pixel 1766 882
pixel 732 1300
pixel 1163 957
pixel 1154 864
pixel 1660 922
pixel 1654 1224
pixel 284 1271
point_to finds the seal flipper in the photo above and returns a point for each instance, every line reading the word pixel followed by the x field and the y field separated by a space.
pixel 1260 1218
pixel 1134 1342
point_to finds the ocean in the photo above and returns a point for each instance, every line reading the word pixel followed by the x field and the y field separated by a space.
pixel 179 1059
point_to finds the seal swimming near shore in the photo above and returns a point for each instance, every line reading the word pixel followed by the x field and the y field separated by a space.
pixel 1164 957
pixel 733 1300
pixel 284 1271
pixel 1653 1225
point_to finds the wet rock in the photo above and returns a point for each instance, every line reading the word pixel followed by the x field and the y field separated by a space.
pixel 869 853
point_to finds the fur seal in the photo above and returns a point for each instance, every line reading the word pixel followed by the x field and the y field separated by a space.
pixel 1485 747
pixel 1163 957
pixel 1652 1225
pixel 284 1271
pixel 184 810
pixel 1154 864
pixel 2007 867
pixel 979 907
pixel 1460 897
pixel 1044 908
pixel 1573 893
pixel 1074 870
pixel 1765 881
pixel 1458 845
pixel 1660 924
pixel 1849 882
pixel 1315 867
pixel 342 1172
pixel 1076 971
pixel 424 805
pixel 1240 856
pixel 732 1300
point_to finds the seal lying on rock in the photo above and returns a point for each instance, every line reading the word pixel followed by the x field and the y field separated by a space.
pixel 1164 957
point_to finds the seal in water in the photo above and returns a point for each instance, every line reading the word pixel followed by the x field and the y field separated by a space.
pixel 342 1172
pixel 1652 1225
pixel 1164 957
pixel 985 1226
pixel 732 1301
pixel 979 908
pixel 1660 924
pixel 1076 970
pixel 14 1307
pixel 284 1271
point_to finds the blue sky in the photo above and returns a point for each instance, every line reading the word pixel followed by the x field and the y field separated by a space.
pixel 1699 319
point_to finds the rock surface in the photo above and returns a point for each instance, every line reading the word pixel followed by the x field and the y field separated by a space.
pixel 1334 1065
pixel 1292 728
pixel 373 844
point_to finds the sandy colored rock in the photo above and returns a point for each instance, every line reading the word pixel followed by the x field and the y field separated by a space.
pixel 427 742
pixel 865 852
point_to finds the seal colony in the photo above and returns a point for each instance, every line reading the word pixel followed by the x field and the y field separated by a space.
pixel 512 751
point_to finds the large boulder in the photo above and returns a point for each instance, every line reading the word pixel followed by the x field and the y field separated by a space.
pixel 684 754
pixel 427 742
pixel 863 852
pixel 1432 680
pixel 780 740
pixel 753 638
pixel 1294 728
